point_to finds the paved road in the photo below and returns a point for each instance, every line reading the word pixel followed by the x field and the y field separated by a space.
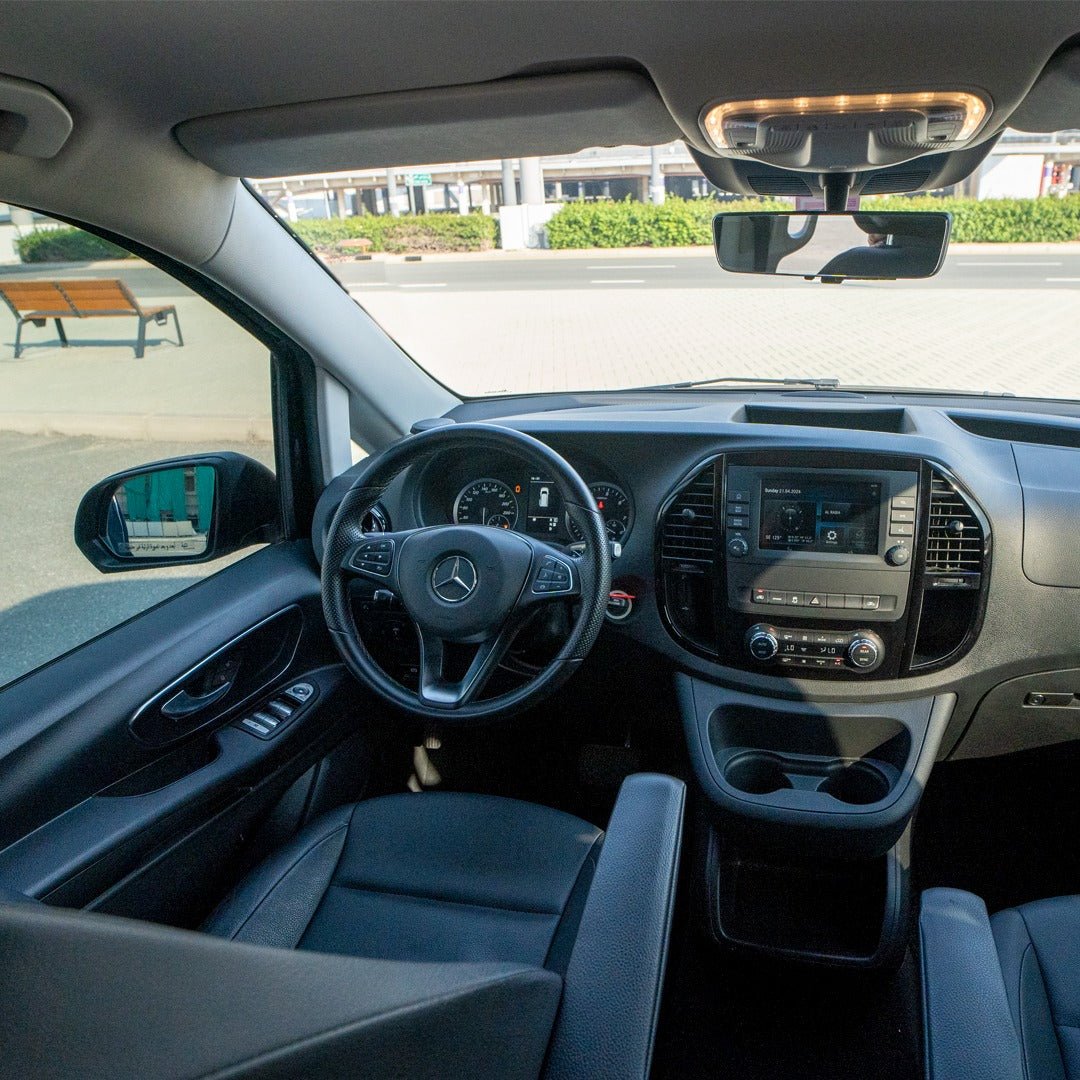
pixel 984 268
pixel 581 270
pixel 998 320
pixel 51 598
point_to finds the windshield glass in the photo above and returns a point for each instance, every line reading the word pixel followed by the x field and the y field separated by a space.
pixel 596 271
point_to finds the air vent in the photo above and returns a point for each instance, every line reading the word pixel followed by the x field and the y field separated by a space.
pixel 887 182
pixel 779 185
pixel 689 527
pixel 375 520
pixel 954 542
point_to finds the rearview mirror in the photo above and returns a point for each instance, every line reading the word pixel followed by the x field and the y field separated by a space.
pixel 187 510
pixel 861 245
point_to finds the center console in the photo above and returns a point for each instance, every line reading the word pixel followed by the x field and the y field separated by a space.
pixel 809 564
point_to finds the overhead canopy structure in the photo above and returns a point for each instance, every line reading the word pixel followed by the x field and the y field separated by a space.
pixel 265 87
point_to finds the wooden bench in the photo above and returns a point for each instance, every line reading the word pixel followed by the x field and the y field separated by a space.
pixel 88 298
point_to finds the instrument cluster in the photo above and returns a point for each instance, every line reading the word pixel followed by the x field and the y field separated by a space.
pixel 510 498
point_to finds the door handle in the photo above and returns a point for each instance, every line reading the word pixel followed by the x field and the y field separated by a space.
pixel 184 704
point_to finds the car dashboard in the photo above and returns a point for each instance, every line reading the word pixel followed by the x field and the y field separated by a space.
pixel 835 589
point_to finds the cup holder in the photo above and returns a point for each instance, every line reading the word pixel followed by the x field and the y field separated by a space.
pixel 756 774
pixel 858 783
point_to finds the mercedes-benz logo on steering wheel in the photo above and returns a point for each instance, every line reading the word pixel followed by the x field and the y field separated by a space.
pixel 454 579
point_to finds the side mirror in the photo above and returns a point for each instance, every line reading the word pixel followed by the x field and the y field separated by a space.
pixel 170 513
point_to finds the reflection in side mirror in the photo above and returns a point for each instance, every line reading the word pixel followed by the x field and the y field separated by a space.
pixel 185 510
pixel 167 513
pixel 862 245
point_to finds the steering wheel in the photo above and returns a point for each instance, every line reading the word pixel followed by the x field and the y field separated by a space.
pixel 465 584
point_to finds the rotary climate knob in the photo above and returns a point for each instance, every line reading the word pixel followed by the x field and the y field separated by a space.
pixel 864 652
pixel 763 644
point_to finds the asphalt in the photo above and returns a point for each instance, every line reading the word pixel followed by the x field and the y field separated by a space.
pixel 649 271
pixel 975 267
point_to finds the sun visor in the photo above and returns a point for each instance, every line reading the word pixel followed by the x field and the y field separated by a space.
pixel 549 114
pixel 1053 103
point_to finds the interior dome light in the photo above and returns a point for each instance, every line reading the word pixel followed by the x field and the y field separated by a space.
pixel 844 131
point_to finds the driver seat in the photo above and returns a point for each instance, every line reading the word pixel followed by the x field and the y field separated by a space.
pixel 426 935
pixel 448 878
pixel 435 877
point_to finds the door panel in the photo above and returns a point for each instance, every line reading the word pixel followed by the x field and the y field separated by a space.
pixel 90 815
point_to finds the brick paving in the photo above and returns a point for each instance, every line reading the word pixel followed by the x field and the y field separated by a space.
pixel 996 340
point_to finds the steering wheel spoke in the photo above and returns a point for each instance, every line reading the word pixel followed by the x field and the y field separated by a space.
pixel 554 575
pixel 437 689
pixel 375 558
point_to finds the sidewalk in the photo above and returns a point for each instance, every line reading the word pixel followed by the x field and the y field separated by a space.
pixel 214 389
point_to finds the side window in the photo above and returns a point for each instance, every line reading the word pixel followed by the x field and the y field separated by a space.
pixel 106 363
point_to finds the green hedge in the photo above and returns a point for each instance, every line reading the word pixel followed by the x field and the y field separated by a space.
pixel 675 223
pixel 66 245
pixel 999 221
pixel 680 222
pixel 415 233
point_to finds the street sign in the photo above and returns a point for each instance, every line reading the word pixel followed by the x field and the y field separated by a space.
pixel 418 179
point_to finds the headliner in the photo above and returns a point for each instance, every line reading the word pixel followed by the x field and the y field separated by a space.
pixel 164 62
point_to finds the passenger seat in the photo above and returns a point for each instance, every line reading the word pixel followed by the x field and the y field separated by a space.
pixel 1001 995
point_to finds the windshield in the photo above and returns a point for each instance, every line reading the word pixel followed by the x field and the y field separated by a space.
pixel 596 271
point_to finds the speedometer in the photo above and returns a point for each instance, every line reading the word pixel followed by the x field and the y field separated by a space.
pixel 614 507
pixel 486 502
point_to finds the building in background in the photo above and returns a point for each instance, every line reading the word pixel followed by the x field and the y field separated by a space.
pixel 1020 166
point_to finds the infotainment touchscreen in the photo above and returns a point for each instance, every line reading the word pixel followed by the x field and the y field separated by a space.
pixel 804 513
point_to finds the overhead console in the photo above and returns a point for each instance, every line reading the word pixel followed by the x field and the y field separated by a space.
pixel 824 565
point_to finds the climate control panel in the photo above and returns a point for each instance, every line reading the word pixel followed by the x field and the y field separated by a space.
pixel 861 651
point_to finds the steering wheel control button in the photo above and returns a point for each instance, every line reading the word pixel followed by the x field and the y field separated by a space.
pixel 553 577
pixel 373 557
pixel 454 579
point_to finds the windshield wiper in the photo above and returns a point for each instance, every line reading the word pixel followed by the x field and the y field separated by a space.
pixel 745 380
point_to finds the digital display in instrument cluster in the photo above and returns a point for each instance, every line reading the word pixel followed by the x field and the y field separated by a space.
pixel 544 507
pixel 806 514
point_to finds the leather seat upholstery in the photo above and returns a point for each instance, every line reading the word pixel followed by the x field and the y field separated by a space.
pixel 421 935
pixel 1001 995
pixel 437 877
pixel 445 879
pixel 1038 945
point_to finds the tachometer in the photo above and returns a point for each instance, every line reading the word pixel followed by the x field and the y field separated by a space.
pixel 614 507
pixel 486 502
